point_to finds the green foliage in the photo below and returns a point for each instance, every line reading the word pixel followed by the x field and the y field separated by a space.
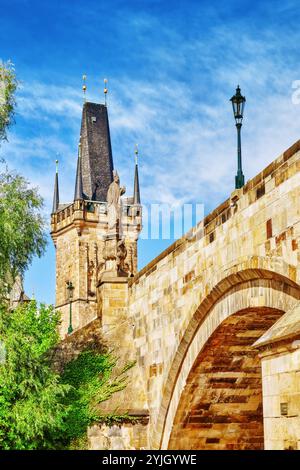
pixel 21 227
pixel 8 86
pixel 31 409
pixel 38 408
pixel 92 381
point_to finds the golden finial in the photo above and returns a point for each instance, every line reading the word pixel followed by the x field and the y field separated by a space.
pixel 136 151
pixel 56 165
pixel 105 91
pixel 84 87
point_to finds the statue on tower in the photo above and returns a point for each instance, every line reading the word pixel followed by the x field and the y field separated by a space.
pixel 115 251
pixel 114 194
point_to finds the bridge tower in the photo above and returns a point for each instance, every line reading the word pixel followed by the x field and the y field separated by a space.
pixel 79 228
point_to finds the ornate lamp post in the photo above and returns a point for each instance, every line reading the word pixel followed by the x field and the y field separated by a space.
pixel 238 104
pixel 70 288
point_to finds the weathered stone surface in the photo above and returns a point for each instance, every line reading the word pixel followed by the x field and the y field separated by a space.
pixel 181 297
pixel 117 331
pixel 280 359
pixel 281 399
pixel 88 337
pixel 221 405
pixel 243 257
pixel 79 234
pixel 126 437
pixel 287 327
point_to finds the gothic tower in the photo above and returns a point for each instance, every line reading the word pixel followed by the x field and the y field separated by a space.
pixel 85 247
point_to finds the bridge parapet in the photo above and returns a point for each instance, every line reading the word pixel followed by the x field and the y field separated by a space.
pixel 249 239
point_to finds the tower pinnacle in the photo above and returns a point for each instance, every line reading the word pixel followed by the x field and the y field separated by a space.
pixel 105 91
pixel 84 87
pixel 78 184
pixel 56 190
pixel 136 193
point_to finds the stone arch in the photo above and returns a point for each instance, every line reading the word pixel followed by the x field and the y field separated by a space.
pixel 238 291
pixel 220 407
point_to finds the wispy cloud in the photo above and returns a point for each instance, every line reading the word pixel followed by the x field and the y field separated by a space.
pixel 171 73
pixel 40 100
pixel 187 144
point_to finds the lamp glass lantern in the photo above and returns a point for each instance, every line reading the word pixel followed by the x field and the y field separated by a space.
pixel 238 104
pixel 70 288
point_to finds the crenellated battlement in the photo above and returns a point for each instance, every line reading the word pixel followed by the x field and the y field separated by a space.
pixel 93 213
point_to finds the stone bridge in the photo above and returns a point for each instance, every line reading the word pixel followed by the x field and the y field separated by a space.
pixel 196 310
pixel 191 317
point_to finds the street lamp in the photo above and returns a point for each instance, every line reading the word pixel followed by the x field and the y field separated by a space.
pixel 70 288
pixel 238 104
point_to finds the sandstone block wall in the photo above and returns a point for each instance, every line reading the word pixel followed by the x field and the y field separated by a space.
pixel 118 437
pixel 244 255
pixel 78 232
pixel 221 405
pixel 281 403
pixel 252 236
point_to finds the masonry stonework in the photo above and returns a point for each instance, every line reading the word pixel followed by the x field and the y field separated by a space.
pixel 226 413
pixel 197 319
pixel 179 300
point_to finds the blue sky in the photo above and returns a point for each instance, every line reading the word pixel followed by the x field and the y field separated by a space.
pixel 172 67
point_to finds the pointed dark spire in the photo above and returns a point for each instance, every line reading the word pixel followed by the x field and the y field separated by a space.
pixel 96 154
pixel 78 194
pixel 136 191
pixel 56 191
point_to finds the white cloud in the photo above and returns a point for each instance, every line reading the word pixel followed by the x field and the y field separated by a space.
pixel 184 128
pixel 37 100
pixel 172 97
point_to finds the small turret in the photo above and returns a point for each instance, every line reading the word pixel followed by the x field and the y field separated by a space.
pixel 78 194
pixel 56 191
pixel 136 191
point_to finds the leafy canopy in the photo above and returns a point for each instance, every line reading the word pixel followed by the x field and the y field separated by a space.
pixel 8 86
pixel 21 227
pixel 39 409
pixel 31 409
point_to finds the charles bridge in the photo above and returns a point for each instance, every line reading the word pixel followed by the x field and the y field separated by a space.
pixel 213 322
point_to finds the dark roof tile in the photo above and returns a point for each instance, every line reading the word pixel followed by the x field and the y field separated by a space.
pixel 96 153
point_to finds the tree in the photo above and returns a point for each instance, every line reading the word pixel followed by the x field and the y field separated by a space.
pixel 8 86
pixel 40 409
pixel 31 409
pixel 21 225
pixel 21 228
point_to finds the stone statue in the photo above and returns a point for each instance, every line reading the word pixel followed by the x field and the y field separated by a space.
pixel 99 269
pixel 114 203
pixel 114 252
pixel 121 256
pixel 91 268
